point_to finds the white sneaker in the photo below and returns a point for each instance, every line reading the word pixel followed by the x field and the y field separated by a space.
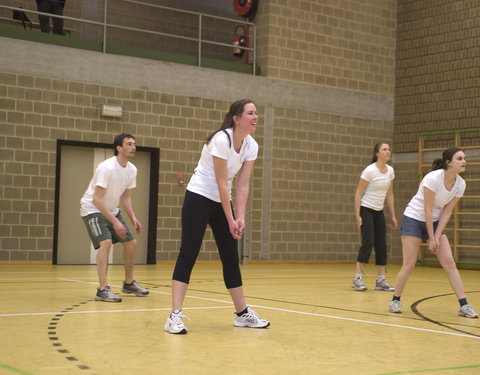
pixel 174 324
pixel 468 312
pixel 107 295
pixel 384 285
pixel 358 284
pixel 135 288
pixel 250 319
pixel 395 307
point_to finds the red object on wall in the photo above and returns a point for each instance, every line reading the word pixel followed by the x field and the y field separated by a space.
pixel 239 40
pixel 245 8
pixel 181 176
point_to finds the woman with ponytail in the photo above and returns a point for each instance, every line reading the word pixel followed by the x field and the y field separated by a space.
pixel 425 218
pixel 374 188
pixel 228 151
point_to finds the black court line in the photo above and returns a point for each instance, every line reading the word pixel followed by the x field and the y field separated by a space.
pixel 372 313
pixel 414 308
pixel 155 286
pixel 56 342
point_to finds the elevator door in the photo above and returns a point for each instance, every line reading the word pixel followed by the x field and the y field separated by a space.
pixel 76 169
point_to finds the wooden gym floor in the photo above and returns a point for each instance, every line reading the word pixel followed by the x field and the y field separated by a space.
pixel 50 323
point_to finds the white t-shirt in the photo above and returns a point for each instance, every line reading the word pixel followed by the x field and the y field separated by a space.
pixel 203 180
pixel 434 181
pixel 377 188
pixel 111 176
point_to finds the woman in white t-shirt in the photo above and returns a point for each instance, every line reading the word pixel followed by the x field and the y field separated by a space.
pixel 374 187
pixel 228 151
pixel 425 218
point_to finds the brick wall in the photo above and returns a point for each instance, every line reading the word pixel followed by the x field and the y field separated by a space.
pixel 437 70
pixel 347 44
pixel 36 111
pixel 318 148
pixel 437 81
pixel 317 158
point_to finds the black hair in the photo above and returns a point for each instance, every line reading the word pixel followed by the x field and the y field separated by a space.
pixel 118 141
pixel 376 149
pixel 447 155
pixel 236 109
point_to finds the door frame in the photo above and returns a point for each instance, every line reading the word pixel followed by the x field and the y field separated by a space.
pixel 153 194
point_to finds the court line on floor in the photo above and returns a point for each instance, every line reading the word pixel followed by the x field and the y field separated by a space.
pixel 430 370
pixel 259 306
pixel 110 311
pixel 367 322
pixel 336 309
pixel 298 312
pixel 414 308
pixel 14 369
pixel 313 314
pixel 304 276
pixel 151 291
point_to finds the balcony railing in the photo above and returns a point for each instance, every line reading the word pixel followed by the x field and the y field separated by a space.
pixel 200 39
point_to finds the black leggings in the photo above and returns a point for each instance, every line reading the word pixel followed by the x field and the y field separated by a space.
pixel 374 234
pixel 197 212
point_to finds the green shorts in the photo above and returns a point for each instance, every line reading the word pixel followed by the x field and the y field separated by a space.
pixel 100 229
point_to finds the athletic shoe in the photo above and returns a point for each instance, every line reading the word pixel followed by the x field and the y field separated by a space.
pixel 467 311
pixel 135 288
pixel 107 295
pixel 358 284
pixel 395 307
pixel 384 285
pixel 250 319
pixel 174 324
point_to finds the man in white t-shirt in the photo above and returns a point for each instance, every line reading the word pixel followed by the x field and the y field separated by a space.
pixel 113 180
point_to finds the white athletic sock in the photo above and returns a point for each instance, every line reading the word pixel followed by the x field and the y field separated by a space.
pixel 359 276
pixel 380 278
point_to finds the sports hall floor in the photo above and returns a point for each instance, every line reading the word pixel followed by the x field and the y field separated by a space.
pixel 50 323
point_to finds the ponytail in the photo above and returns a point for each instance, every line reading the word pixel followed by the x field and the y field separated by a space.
pixel 438 164
pixel 447 155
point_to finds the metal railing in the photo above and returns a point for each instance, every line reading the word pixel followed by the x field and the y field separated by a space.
pixel 198 39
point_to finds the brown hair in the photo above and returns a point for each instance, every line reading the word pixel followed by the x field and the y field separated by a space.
pixel 236 109
pixel 118 141
pixel 447 155
pixel 376 149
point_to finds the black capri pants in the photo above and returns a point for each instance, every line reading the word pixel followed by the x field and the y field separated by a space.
pixel 197 212
pixel 374 235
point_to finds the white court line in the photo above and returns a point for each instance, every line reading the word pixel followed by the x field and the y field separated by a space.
pixel 259 306
pixel 151 291
pixel 29 278
pixel 279 270
pixel 110 311
pixel 315 275
pixel 263 307
pixel 367 322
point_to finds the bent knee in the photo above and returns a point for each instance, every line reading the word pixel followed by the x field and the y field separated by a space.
pixel 449 264
pixel 409 265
